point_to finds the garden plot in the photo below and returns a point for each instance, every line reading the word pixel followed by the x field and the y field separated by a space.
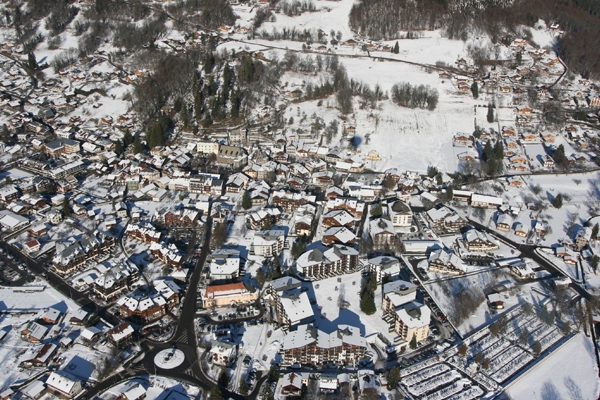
pixel 508 369
pixel 471 393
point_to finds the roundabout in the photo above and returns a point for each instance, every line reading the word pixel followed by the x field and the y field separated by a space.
pixel 169 358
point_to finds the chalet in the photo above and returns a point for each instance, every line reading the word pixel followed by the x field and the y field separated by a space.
pixel 222 354
pixel 63 384
pixel 292 384
pixel 504 222
pixel 520 230
pixel 446 262
pixel 338 218
pixel 289 201
pixel 382 232
pixel 479 200
pixel 478 241
pixel 352 205
pixel 444 219
pixel 69 257
pixel 121 334
pixel 338 234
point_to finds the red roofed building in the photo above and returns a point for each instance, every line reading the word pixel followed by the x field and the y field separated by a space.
pixel 226 295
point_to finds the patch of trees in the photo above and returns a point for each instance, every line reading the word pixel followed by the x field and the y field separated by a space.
pixel 262 14
pixel 406 95
pixel 384 19
pixel 492 157
pixel 159 132
pixel 296 7
pixel 89 42
pixel 560 158
pixel 213 13
pixel 60 18
pixel 156 90
pixel 131 36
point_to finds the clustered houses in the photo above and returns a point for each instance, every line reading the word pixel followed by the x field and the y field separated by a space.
pixel 71 256
pixel 290 201
pixel 268 243
pixel 291 303
pixel 185 217
pixel 265 216
pixel 310 346
pixel 336 260
pixel 144 233
pixel 229 294
pixel 444 261
pixel 115 281
pixel 445 220
pixel 147 306
pixel 168 255
pixel 407 317
pixel 352 205
pixel 225 265
pixel 384 266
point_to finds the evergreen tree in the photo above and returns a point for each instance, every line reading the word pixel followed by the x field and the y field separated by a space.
pixel 396 48
pixel 119 147
pixel 413 342
pixel 138 147
pixel 209 63
pixel 595 262
pixel 183 115
pixel 32 61
pixel 223 378
pixel 558 201
pixel 67 210
pixel 260 277
pixel 246 201
pixel 127 139
pixel 367 303
pixel 393 378
pixel 215 393
pixel 462 350
pixel 595 232
pixel 475 90
pixel 376 210
pixel 244 388
pixel 490 113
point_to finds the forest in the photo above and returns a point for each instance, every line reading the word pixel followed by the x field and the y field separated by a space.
pixel 579 46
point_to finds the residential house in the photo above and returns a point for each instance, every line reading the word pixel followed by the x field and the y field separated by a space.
pixel 336 260
pixel 382 232
pixel 290 301
pixel 268 243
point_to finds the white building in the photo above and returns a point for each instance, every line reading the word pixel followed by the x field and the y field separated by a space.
pixel 400 214
pixel 268 243
pixel 225 265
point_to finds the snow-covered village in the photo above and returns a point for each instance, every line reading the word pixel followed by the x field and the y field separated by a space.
pixel 287 199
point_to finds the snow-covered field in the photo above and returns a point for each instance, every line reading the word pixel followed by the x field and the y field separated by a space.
pixel 571 372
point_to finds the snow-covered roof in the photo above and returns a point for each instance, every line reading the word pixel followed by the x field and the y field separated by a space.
pixel 62 380
pixel 414 315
